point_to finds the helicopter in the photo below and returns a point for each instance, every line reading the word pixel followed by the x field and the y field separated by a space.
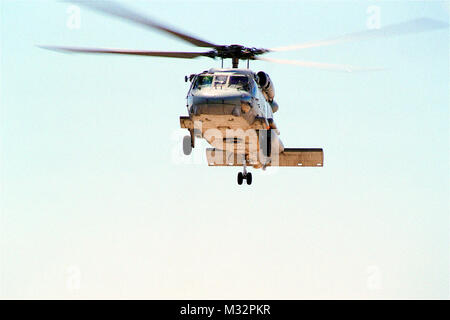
pixel 233 108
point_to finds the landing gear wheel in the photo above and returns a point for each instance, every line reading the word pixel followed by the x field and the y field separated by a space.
pixel 187 145
pixel 240 178
pixel 249 178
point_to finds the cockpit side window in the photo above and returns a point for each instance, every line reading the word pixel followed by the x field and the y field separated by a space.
pixel 204 81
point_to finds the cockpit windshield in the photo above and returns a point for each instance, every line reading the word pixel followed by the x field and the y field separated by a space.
pixel 204 81
pixel 239 81
pixel 220 80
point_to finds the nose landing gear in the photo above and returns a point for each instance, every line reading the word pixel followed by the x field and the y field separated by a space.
pixel 247 176
pixel 244 175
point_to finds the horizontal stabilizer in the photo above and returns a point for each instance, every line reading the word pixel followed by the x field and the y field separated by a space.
pixel 300 157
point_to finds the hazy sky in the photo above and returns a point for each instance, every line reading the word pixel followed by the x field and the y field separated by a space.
pixel 97 200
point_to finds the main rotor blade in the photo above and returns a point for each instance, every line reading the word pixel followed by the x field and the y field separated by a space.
pixel 168 54
pixel 114 9
pixel 319 65
pixel 403 28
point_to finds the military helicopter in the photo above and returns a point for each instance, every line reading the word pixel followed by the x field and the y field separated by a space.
pixel 233 108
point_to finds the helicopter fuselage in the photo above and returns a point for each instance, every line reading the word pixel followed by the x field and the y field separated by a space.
pixel 233 108
pixel 229 109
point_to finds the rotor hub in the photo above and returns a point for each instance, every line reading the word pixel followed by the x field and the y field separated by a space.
pixel 236 51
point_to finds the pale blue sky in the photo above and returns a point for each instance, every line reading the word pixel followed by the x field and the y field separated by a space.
pixel 95 191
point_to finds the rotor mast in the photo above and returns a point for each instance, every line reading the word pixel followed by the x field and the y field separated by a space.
pixel 235 62
pixel 237 52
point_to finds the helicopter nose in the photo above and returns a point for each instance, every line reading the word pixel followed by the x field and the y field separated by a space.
pixel 219 105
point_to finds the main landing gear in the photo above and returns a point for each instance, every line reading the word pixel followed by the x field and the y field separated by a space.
pixel 244 175
pixel 188 143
